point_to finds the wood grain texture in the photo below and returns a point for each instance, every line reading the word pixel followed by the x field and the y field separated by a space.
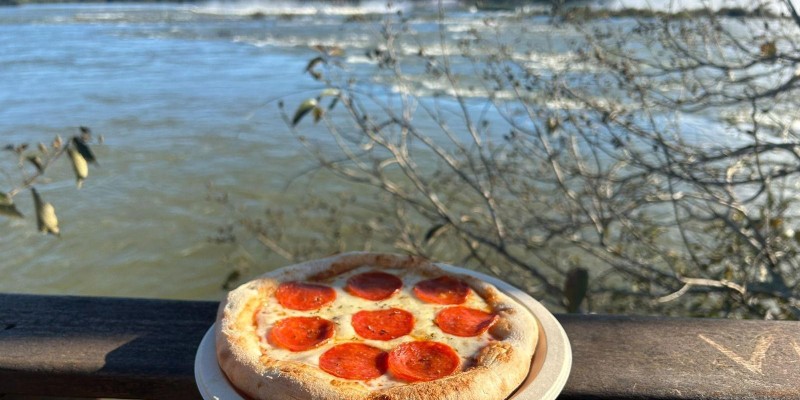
pixel 136 348
pixel 669 358
pixel 100 347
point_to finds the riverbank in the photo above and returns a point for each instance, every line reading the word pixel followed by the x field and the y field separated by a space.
pixel 11 3
pixel 570 11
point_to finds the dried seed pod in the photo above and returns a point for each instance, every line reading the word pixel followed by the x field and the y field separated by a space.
pixel 79 165
pixel 46 219
pixel 57 142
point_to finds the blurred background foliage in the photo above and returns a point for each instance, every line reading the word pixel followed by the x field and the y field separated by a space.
pixel 587 186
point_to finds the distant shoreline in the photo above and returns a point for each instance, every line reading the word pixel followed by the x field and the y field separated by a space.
pixel 24 2
pixel 572 11
pixel 507 4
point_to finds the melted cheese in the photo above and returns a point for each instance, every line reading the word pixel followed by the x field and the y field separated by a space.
pixel 342 309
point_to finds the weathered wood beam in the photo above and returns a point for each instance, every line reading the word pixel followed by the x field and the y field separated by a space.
pixel 138 348
pixel 100 347
pixel 616 357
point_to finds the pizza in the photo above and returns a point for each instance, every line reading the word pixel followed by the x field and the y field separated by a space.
pixel 373 326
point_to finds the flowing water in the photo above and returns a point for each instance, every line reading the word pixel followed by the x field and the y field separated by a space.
pixel 184 96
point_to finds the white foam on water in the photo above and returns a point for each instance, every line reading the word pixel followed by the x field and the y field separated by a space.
pixel 677 5
pixel 555 62
pixel 290 41
pixel 103 16
pixel 359 59
pixel 250 7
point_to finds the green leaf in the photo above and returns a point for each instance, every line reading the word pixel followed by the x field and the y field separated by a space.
pixel 434 232
pixel 37 162
pixel 10 211
pixel 334 102
pixel 310 67
pixel 313 63
pixel 231 279
pixel 304 108
pixel 575 288
pixel 8 208
pixel 83 148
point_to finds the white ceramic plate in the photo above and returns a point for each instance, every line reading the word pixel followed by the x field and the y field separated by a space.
pixel 549 368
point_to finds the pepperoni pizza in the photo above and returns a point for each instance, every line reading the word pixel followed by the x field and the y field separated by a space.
pixel 373 326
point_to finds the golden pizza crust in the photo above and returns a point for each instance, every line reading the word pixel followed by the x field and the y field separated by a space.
pixel 498 369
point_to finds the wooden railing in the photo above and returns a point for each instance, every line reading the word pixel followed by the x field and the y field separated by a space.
pixel 136 348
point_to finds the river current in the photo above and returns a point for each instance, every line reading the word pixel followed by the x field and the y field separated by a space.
pixel 184 96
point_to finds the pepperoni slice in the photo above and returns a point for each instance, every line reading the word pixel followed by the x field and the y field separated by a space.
pixel 356 361
pixel 373 285
pixel 464 321
pixel 383 324
pixel 304 296
pixel 422 361
pixel 442 290
pixel 300 333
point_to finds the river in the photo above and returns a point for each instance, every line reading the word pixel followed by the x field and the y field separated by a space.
pixel 184 96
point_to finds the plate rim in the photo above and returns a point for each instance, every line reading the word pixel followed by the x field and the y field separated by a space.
pixel 545 385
